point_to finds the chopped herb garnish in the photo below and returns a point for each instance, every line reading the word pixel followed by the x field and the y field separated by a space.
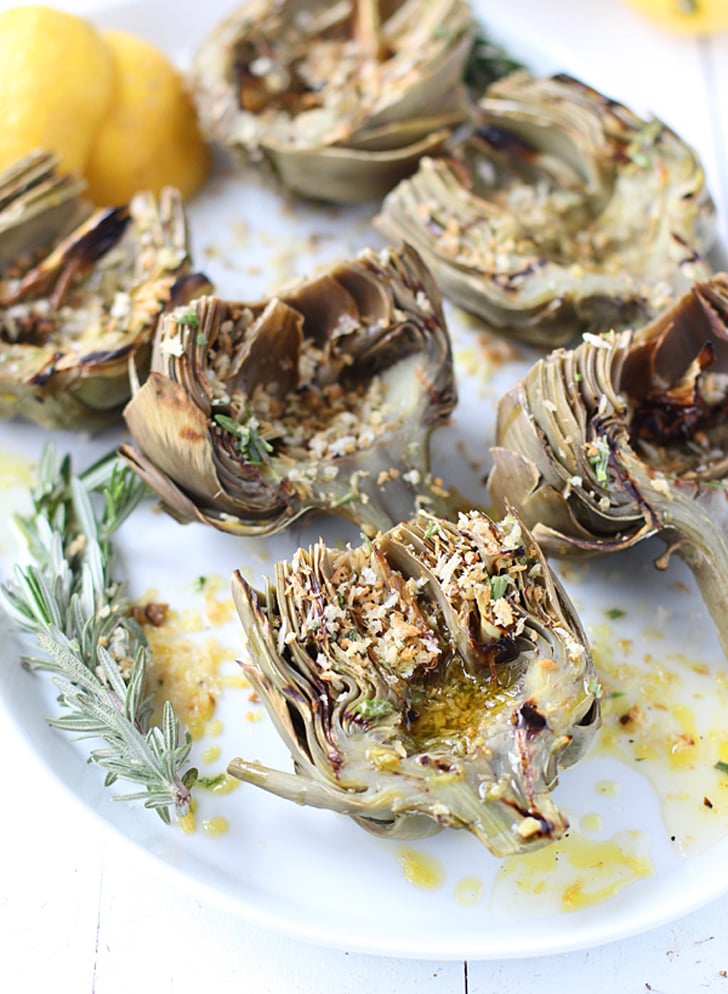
pixel 432 529
pixel 498 586
pixel 211 782
pixel 721 766
pixel 199 584
pixel 598 455
pixel 188 318
pixel 253 447
pixel 595 687
pixel 348 498
pixel 638 150
pixel 374 707
pixel 615 612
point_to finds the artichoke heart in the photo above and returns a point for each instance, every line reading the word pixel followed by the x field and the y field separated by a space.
pixel 323 397
pixel 435 677
pixel 341 99
pixel 81 293
pixel 626 437
pixel 560 212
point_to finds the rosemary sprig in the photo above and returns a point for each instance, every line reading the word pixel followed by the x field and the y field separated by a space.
pixel 79 616
pixel 486 63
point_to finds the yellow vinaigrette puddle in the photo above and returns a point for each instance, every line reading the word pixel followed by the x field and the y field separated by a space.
pixel 663 714
pixel 574 873
pixel 420 868
pixel 191 666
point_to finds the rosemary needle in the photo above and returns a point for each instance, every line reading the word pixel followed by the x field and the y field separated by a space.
pixel 79 615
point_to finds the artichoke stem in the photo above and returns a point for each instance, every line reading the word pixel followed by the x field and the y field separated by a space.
pixel 367 29
pixel 291 786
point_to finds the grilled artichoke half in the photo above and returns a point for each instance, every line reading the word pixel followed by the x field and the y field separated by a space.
pixel 560 212
pixel 322 397
pixel 340 98
pixel 436 677
pixel 73 320
pixel 625 437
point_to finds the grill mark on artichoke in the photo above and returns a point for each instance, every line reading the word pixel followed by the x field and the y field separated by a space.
pixel 363 658
pixel 341 377
pixel 83 294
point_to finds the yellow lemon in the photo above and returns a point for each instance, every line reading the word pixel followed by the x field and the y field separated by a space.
pixel 687 16
pixel 150 137
pixel 56 77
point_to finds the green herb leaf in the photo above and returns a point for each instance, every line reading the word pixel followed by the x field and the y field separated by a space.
pixel 79 617
pixel 498 585
pixel 211 782
pixel 486 63
pixel 598 453
pixel 373 707
pixel 721 766
pixel 615 612
pixel 189 318
pixel 253 447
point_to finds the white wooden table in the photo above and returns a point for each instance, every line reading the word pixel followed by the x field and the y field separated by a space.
pixel 83 911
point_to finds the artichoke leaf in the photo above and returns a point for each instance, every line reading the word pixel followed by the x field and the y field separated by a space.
pixel 38 206
pixel 339 100
pixel 322 397
pixel 357 654
pixel 560 211
pixel 647 456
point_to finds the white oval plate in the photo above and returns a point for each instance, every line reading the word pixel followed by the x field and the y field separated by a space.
pixel 644 841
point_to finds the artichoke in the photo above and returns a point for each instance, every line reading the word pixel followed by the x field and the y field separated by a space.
pixel 321 397
pixel 38 207
pixel 72 320
pixel 435 677
pixel 625 437
pixel 341 99
pixel 560 212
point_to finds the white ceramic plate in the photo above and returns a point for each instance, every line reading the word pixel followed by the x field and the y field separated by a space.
pixel 649 812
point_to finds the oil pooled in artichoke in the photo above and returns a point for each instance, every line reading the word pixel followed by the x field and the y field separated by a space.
pixel 435 677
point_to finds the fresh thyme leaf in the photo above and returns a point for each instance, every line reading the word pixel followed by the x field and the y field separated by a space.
pixel 721 766
pixel 615 612
pixel 78 615
pixel 254 448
